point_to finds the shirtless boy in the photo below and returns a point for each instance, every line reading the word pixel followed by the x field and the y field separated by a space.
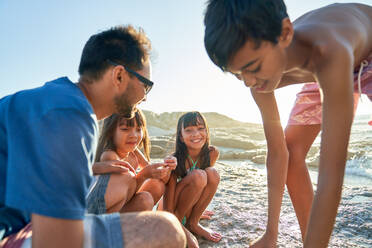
pixel 257 42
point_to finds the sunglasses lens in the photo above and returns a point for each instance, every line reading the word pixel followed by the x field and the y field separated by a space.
pixel 147 88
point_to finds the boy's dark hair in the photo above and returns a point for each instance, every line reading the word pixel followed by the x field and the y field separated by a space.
pixel 122 44
pixel 106 139
pixel 229 24
pixel 190 119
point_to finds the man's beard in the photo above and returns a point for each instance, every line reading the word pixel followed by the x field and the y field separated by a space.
pixel 123 107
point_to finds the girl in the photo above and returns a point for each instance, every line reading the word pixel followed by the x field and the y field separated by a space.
pixel 120 141
pixel 194 182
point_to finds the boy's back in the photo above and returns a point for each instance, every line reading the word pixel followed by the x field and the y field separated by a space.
pixel 336 26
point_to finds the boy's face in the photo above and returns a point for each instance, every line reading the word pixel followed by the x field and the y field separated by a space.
pixel 260 68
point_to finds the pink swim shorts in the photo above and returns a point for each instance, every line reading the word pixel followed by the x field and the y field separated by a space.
pixel 307 109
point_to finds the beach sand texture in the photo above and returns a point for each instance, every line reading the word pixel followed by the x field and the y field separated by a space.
pixel 240 204
pixel 240 207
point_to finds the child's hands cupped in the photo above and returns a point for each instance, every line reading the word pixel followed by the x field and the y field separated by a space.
pixel 112 167
pixel 157 170
pixel 170 162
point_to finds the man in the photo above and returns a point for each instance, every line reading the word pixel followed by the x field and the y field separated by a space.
pixel 48 142
pixel 256 41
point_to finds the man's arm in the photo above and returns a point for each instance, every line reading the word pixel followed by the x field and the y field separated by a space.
pixel 52 232
pixel 276 163
pixel 334 72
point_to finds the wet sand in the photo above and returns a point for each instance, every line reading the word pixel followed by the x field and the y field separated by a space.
pixel 240 207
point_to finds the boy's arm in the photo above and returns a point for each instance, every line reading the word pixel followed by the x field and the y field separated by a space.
pixel 53 232
pixel 276 162
pixel 334 73
pixel 170 189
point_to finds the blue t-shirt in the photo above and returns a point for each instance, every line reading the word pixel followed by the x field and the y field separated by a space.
pixel 48 138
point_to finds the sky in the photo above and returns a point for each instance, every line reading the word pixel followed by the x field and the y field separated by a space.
pixel 43 40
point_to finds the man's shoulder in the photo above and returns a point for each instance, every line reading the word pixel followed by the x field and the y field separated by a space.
pixel 57 94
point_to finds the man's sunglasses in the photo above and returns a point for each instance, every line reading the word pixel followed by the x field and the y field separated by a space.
pixel 146 82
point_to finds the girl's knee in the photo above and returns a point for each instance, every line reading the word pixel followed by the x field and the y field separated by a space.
pixel 145 199
pixel 199 178
pixel 127 179
pixel 213 176
pixel 158 186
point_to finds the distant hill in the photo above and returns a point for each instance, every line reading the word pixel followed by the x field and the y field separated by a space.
pixel 168 120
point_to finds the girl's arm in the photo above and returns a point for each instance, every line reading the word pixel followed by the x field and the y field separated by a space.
pixel 148 170
pixel 110 163
pixel 142 161
pixel 213 154
pixel 170 164
pixel 276 162
pixel 169 204
pixel 109 155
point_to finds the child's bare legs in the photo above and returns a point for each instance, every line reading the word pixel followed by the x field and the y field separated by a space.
pixel 141 201
pixel 207 215
pixel 120 188
pixel 188 192
pixel 299 139
pixel 155 187
pixel 213 179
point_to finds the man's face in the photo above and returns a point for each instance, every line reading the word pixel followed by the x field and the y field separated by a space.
pixel 126 103
pixel 260 68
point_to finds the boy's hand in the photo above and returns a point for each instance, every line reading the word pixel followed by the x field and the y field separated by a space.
pixel 112 167
pixel 170 162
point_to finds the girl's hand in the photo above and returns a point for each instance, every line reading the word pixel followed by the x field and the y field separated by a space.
pixel 156 170
pixel 112 167
pixel 170 162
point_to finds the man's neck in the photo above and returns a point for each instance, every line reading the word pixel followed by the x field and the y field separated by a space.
pixel 97 98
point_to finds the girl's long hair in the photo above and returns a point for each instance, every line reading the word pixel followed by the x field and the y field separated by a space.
pixel 190 119
pixel 106 139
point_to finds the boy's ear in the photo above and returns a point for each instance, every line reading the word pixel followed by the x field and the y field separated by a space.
pixel 286 35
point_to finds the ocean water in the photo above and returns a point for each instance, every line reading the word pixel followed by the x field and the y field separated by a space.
pixel 358 169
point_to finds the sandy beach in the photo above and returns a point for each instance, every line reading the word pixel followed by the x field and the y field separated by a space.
pixel 240 207
pixel 240 204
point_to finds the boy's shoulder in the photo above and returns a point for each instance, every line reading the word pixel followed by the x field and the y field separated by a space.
pixel 335 29
pixel 350 21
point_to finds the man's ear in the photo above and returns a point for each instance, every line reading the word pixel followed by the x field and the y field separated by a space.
pixel 120 77
pixel 287 33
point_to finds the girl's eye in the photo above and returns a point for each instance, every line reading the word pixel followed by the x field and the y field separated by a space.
pixel 201 128
pixel 139 129
pixel 124 129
